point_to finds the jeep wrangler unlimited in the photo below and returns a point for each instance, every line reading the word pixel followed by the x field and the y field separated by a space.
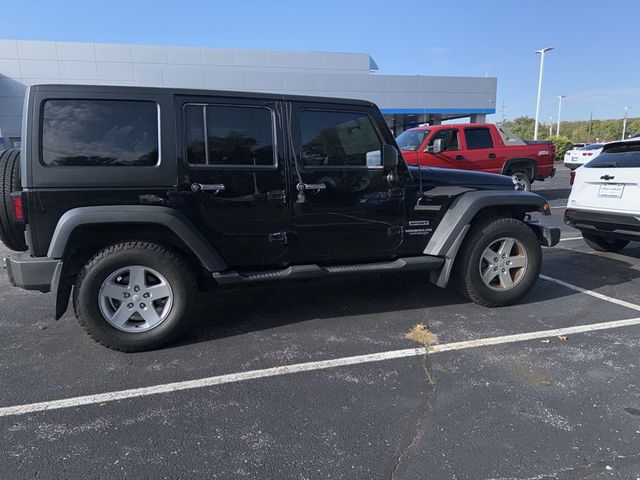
pixel 131 199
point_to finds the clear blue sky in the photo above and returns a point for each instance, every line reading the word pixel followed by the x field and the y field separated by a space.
pixel 594 62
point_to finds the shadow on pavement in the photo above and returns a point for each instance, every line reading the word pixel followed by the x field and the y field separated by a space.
pixel 228 312
pixel 550 194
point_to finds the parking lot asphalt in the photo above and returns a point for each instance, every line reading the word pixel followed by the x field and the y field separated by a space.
pixel 276 391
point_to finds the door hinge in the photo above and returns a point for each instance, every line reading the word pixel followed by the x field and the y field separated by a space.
pixel 395 231
pixel 278 237
pixel 279 196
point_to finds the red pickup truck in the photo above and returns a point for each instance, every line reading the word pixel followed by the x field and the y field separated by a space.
pixel 478 146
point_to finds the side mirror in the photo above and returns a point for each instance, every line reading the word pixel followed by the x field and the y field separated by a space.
pixel 389 157
pixel 437 146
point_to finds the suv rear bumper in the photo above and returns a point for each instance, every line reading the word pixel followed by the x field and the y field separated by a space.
pixel 614 225
pixel 33 273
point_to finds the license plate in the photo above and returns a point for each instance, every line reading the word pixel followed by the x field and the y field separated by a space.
pixel 574 159
pixel 611 190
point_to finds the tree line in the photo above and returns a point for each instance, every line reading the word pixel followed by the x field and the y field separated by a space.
pixel 583 131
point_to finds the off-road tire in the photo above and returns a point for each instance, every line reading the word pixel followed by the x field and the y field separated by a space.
pixel 466 276
pixel 165 261
pixel 11 234
pixel 604 244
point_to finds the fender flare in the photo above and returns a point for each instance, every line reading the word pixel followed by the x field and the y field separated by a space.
pixel 529 161
pixel 452 229
pixel 142 214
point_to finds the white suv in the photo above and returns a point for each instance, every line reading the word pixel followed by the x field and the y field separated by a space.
pixel 605 199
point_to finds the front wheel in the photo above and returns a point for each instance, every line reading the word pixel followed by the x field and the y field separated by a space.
pixel 499 262
pixel 134 296
pixel 604 244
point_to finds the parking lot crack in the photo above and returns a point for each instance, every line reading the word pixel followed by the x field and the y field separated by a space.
pixel 424 411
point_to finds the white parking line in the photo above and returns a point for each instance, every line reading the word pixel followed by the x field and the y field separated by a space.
pixel 561 206
pixel 600 296
pixel 570 238
pixel 102 398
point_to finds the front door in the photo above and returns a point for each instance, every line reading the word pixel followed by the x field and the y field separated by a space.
pixel 450 156
pixel 233 178
pixel 343 204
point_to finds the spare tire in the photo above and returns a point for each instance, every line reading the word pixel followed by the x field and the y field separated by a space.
pixel 11 233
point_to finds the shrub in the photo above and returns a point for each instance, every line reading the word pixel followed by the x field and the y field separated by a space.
pixel 562 144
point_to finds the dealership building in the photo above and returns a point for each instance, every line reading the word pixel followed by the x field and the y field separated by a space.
pixel 405 100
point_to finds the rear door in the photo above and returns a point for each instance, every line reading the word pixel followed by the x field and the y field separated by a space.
pixel 480 152
pixel 346 206
pixel 233 176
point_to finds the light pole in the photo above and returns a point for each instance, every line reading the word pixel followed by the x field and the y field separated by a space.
pixel 624 122
pixel 541 52
pixel 560 97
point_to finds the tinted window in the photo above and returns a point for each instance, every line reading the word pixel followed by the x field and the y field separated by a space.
pixel 593 146
pixel 338 139
pixel 449 139
pixel 235 135
pixel 622 155
pixel 99 133
pixel 478 138
pixel 411 139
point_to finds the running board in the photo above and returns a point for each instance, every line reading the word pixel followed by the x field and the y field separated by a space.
pixel 424 262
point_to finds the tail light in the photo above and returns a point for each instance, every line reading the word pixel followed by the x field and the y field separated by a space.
pixel 587 154
pixel 572 177
pixel 18 210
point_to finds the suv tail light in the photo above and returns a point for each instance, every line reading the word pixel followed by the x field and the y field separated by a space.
pixel 18 210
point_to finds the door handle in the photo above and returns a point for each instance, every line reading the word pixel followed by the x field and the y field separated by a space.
pixel 459 157
pixel 207 187
pixel 492 155
pixel 311 187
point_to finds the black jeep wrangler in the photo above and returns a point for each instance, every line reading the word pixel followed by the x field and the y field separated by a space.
pixel 130 200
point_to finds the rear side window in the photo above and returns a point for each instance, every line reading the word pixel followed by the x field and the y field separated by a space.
pixel 622 155
pixel 478 138
pixel 99 133
pixel 229 136
pixel 338 139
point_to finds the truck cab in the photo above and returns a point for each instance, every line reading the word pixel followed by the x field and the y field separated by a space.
pixel 478 146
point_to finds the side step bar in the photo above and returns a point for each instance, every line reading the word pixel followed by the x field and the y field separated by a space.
pixel 424 262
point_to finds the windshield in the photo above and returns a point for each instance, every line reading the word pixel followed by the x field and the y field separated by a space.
pixel 623 155
pixel 411 139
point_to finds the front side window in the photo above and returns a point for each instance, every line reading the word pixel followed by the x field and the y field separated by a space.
pixel 229 136
pixel 449 139
pixel 478 138
pixel 99 133
pixel 338 139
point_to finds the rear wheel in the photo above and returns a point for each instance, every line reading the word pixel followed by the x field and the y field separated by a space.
pixel 523 179
pixel 11 233
pixel 604 244
pixel 499 262
pixel 134 296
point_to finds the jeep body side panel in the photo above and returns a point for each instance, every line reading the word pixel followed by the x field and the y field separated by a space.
pixel 136 214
